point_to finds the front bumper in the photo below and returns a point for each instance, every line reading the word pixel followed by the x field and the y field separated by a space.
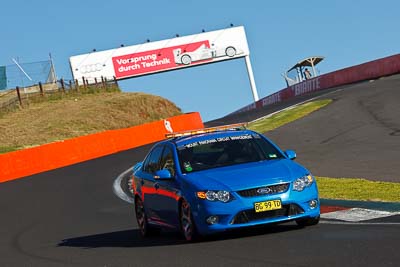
pixel 240 211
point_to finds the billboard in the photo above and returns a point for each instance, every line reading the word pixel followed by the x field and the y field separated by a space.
pixel 159 56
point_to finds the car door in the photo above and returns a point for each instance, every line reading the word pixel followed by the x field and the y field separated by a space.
pixel 147 181
pixel 167 190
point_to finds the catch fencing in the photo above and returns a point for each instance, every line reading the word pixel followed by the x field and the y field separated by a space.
pixel 26 74
pixel 24 83
pixel 19 97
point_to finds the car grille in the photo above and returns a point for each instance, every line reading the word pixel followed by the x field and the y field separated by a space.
pixel 268 190
pixel 247 216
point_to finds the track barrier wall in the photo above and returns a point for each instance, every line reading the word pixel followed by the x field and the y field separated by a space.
pixel 366 71
pixel 47 157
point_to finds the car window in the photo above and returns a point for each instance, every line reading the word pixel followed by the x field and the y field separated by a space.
pixel 226 151
pixel 269 151
pixel 167 160
pixel 151 164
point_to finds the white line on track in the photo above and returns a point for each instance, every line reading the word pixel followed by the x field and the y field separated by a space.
pixel 358 223
pixel 357 214
pixel 117 189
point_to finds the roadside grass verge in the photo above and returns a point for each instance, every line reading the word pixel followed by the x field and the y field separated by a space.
pixel 287 116
pixel 332 188
pixel 6 149
pixel 358 189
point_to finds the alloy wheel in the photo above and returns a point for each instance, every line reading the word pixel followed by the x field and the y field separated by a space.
pixel 187 225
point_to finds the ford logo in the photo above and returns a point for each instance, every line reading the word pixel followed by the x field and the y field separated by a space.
pixel 264 190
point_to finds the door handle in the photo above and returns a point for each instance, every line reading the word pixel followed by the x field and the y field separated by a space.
pixel 156 186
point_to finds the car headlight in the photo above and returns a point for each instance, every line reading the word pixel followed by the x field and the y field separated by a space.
pixel 300 183
pixel 221 195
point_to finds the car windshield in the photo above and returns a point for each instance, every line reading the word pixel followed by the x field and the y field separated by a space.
pixel 225 151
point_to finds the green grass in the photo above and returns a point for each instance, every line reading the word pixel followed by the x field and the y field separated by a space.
pixel 358 189
pixel 61 116
pixel 332 188
pixel 287 116
pixel 7 149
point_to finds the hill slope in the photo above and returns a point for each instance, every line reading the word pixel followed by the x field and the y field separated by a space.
pixel 73 116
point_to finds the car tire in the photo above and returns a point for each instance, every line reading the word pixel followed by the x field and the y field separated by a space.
pixel 186 59
pixel 145 228
pixel 230 51
pixel 188 228
pixel 308 221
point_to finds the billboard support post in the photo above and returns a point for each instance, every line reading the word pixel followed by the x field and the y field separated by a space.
pixel 251 78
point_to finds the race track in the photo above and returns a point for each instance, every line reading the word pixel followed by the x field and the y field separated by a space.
pixel 71 217
pixel 358 135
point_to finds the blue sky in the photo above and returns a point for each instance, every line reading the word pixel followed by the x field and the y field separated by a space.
pixel 279 34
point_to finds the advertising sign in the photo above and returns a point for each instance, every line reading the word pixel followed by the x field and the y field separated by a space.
pixel 153 57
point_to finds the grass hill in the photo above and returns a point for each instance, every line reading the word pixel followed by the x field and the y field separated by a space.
pixel 62 116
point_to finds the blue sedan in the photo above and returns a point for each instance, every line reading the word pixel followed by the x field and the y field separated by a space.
pixel 221 178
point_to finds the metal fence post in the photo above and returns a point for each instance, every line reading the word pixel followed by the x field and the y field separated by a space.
pixel 102 81
pixel 115 81
pixel 19 95
pixel 41 89
pixel 84 82
pixel 62 85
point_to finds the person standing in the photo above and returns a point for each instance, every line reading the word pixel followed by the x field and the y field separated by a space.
pixel 307 74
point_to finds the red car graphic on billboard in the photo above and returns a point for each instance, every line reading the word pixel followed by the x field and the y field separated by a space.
pixel 204 53
pixel 151 61
pixel 168 58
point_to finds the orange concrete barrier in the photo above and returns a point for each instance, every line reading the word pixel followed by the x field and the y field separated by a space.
pixel 17 164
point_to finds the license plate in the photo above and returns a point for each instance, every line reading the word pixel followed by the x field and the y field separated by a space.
pixel 267 205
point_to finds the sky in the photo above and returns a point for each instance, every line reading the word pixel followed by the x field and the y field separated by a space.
pixel 279 34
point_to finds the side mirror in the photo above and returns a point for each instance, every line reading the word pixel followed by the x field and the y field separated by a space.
pixel 291 154
pixel 163 174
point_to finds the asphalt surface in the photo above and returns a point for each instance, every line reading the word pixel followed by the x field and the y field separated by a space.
pixel 356 136
pixel 70 216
